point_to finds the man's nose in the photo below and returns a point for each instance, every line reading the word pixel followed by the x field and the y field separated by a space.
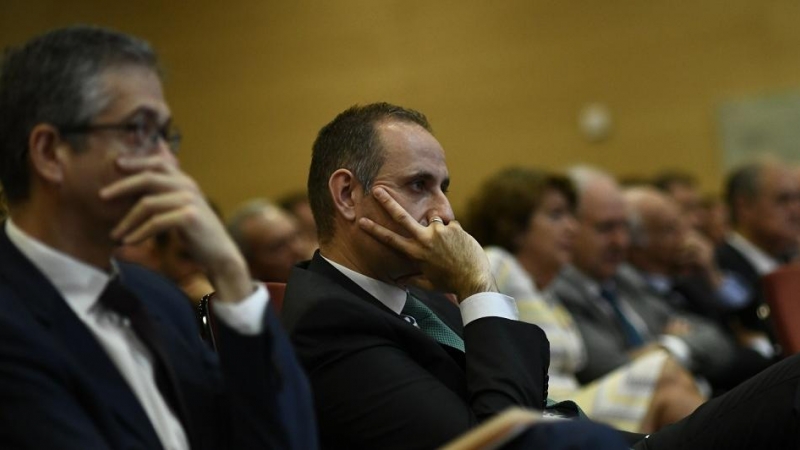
pixel 442 208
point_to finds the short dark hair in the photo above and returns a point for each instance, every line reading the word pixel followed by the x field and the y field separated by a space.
pixel 55 78
pixel 664 181
pixel 502 208
pixel 350 142
pixel 743 182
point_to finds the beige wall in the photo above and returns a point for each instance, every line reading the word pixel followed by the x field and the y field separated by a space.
pixel 251 82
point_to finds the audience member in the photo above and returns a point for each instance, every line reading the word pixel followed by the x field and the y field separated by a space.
pixel 617 318
pixel 393 364
pixel 269 239
pixel 682 187
pixel 297 205
pixel 714 220
pixel 764 202
pixel 676 263
pixel 97 353
pixel 169 254
pixel 360 320
pixel 525 218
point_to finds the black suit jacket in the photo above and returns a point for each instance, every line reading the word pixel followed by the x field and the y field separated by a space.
pixel 59 389
pixel 379 382
pixel 729 258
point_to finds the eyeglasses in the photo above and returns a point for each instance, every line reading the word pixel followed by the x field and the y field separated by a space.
pixel 143 135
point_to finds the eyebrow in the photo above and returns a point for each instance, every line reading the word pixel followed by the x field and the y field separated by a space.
pixel 149 113
pixel 428 176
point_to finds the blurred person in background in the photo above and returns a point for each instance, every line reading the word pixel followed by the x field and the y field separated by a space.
pixel 524 219
pixel 763 198
pixel 618 319
pixel 269 238
pixel 673 261
pixel 297 205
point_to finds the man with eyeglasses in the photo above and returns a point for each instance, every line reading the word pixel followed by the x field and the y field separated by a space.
pixel 97 353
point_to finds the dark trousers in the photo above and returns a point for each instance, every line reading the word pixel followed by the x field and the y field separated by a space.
pixel 762 413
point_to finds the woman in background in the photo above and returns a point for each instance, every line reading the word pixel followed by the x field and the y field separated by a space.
pixel 524 219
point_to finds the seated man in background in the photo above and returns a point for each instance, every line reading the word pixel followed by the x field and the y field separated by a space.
pixel 764 202
pixel 394 364
pixel 100 354
pixel 296 204
pixel 617 318
pixel 169 254
pixel 704 214
pixel 525 220
pixel 674 262
pixel 269 239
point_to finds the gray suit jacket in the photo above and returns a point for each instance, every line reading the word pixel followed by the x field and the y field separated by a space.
pixel 710 349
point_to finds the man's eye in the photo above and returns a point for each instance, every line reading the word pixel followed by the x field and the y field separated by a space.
pixel 418 185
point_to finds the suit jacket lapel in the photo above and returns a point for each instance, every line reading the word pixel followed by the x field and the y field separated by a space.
pixel 322 267
pixel 38 295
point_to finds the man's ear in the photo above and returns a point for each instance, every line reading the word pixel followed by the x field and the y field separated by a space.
pixel 44 148
pixel 345 191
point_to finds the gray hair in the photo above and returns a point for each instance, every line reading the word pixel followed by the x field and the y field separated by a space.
pixel 242 214
pixel 56 78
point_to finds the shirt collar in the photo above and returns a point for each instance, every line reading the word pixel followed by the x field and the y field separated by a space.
pixel 392 297
pixel 590 284
pixel 78 283
pixel 761 261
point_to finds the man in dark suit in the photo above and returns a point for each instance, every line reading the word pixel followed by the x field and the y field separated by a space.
pixel 674 262
pixel 104 355
pixel 393 363
pixel 764 202
pixel 618 318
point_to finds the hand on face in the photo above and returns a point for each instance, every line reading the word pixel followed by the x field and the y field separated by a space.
pixel 697 253
pixel 450 259
pixel 169 199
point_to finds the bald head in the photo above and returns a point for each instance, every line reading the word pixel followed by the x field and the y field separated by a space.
pixel 268 237
pixel 602 239
pixel 657 230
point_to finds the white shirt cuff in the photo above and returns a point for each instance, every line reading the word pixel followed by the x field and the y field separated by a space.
pixel 762 345
pixel 678 348
pixel 246 316
pixel 488 304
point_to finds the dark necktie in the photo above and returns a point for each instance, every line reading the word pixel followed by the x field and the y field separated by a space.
pixel 632 335
pixel 117 298
pixel 431 324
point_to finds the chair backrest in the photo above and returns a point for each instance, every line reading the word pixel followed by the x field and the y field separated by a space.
pixel 205 311
pixel 782 292
pixel 276 291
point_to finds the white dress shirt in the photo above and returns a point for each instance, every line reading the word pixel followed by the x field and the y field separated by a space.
pixel 81 285
pixel 759 259
pixel 482 304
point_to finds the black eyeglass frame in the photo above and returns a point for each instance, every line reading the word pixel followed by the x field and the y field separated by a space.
pixel 170 134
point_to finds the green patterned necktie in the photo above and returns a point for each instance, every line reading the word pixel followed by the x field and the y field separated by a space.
pixel 431 324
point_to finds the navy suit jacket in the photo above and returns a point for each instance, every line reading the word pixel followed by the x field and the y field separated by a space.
pixel 59 388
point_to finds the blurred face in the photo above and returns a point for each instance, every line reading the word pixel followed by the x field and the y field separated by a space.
pixel 274 246
pixel 602 239
pixel 176 261
pixel 688 199
pixel 548 241
pixel 772 218
pixel 415 175
pixel 136 96
pixel 665 232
